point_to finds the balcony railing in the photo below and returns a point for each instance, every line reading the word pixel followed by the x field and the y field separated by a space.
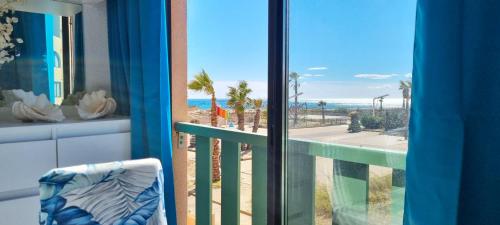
pixel 350 175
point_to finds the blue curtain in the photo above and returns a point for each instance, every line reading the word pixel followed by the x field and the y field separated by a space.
pixel 79 80
pixel 119 55
pixel 453 159
pixel 139 57
pixel 29 71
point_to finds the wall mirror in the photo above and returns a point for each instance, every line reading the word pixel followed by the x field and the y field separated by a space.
pixel 42 50
pixel 45 63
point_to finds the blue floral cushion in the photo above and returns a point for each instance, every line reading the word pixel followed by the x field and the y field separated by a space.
pixel 118 193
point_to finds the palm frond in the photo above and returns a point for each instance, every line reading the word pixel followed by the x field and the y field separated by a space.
pixel 238 96
pixel 195 85
pixel 202 83
pixel 294 76
pixel 257 103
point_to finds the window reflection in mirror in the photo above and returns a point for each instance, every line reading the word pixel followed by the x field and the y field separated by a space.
pixel 55 64
pixel 42 54
pixel 40 59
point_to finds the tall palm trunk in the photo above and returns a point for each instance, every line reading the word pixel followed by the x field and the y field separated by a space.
pixel 296 104
pixel 213 112
pixel 241 120
pixel 241 125
pixel 256 121
pixel 323 114
pixel 216 150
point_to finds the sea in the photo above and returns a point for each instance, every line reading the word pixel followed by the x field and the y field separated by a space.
pixel 340 103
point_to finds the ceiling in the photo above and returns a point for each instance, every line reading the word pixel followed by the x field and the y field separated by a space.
pixel 55 7
pixel 80 1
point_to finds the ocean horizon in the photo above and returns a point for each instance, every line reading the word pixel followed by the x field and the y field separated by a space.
pixel 338 103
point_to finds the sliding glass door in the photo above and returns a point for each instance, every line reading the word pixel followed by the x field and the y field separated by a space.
pixel 347 109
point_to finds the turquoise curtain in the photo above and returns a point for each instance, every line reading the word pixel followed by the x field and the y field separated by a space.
pixel 119 57
pixel 29 71
pixel 139 57
pixel 79 80
pixel 453 158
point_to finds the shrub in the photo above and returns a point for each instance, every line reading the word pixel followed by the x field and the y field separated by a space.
pixel 371 122
pixel 393 120
pixel 354 127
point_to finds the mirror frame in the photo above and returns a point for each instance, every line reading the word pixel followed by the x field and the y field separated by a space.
pixel 47 7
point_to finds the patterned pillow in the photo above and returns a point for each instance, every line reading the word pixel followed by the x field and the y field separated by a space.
pixel 118 193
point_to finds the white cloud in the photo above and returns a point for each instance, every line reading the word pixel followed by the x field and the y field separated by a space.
pixel 408 75
pixel 313 75
pixel 374 76
pixel 318 68
pixel 347 89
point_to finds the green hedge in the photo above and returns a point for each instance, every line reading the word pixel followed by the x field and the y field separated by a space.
pixel 393 120
pixel 371 122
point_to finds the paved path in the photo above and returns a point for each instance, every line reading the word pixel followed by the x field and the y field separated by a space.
pixel 339 135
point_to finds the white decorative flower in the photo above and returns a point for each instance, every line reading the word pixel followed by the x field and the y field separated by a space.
pixel 7 45
pixel 96 105
pixel 35 108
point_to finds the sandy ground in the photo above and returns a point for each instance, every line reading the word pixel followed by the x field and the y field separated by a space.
pixel 324 167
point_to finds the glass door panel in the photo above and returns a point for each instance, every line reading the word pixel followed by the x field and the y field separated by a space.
pixel 350 65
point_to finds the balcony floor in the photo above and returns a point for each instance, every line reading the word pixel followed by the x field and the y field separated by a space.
pixel 245 185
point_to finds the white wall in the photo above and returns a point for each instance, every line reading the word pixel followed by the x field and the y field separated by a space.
pixel 95 35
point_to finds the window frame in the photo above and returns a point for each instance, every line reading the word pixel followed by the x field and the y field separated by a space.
pixel 277 109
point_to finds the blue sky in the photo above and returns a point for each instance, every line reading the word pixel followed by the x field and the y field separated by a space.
pixel 343 48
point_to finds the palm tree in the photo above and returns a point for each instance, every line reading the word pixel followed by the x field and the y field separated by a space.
pixel 257 105
pixel 294 80
pixel 405 87
pixel 238 100
pixel 322 104
pixel 203 83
